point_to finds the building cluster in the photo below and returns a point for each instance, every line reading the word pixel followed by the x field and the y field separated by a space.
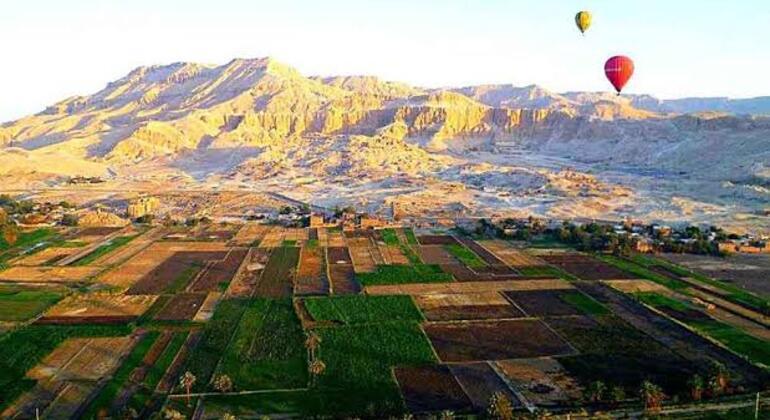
pixel 142 206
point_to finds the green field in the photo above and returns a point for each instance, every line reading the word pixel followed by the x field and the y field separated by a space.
pixel 105 249
pixel 585 303
pixel 20 303
pixel 143 395
pixel 22 349
pixel 468 257
pixel 363 309
pixel 402 274
pixel 216 337
pixel 411 239
pixel 753 348
pixel 267 350
pixel 389 236
pixel 736 294
pixel 359 359
pixel 108 393
pixel 643 272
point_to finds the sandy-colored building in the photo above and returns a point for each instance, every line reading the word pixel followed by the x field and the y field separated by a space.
pixel 316 221
pixel 142 206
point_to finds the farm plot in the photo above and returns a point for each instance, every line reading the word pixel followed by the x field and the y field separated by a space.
pixel 512 256
pixel 543 381
pixel 208 307
pixel 467 306
pixel 586 267
pixel 311 276
pixel 49 274
pixel 267 349
pixel 436 240
pixel 273 238
pixel 363 309
pixel 341 272
pixel 685 343
pixel 620 355
pixel 217 275
pixel 246 279
pixel 175 273
pixel 126 251
pixel 481 382
pixel 391 254
pixel 250 233
pixel 69 374
pixel 277 278
pixel 496 265
pixel 747 271
pixel 359 361
pixel 430 389
pixel 469 287
pixel 47 256
pixel 494 340
pixel 19 303
pixel 548 303
pixel 181 307
pixel 364 254
pixel 146 264
pixel 98 308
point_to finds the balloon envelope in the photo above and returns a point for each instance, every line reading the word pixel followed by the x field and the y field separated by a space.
pixel 583 21
pixel 619 70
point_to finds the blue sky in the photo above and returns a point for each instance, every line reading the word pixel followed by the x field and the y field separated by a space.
pixel 53 49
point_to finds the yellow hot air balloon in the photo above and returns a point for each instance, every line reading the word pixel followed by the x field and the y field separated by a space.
pixel 583 21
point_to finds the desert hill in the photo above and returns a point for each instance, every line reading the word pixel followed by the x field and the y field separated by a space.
pixel 259 119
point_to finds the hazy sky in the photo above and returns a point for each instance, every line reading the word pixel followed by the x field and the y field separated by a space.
pixel 53 49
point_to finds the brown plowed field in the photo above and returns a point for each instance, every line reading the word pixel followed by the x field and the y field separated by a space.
pixel 586 267
pixel 436 240
pixel 364 254
pixel 46 256
pixel 431 389
pixel 343 279
pixel 181 307
pixel 480 382
pixel 245 281
pixel 543 382
pixel 494 340
pixel 165 275
pixel 311 277
pixel 277 279
pixel 435 254
pixel 392 254
pixel 541 303
pixel 471 306
pixel 220 273
pixel 82 359
pixel 338 255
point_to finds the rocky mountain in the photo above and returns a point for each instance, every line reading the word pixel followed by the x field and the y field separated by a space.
pixel 258 119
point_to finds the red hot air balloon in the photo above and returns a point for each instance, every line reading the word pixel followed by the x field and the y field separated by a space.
pixel 619 70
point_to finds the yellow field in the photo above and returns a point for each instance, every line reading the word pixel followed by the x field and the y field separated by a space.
pixel 101 304
pixel 467 287
pixel 510 255
pixel 48 274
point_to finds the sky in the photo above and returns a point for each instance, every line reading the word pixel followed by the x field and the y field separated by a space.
pixel 55 49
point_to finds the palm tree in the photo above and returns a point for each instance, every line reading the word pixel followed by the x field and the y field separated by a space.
pixel 696 387
pixel 447 415
pixel 316 368
pixel 500 407
pixel 596 391
pixel 187 381
pixel 719 378
pixel 617 394
pixel 223 383
pixel 311 343
pixel 228 416
pixel 652 396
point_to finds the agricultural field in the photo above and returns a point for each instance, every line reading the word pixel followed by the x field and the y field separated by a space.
pixel 400 322
pixel 749 272
pixel 21 303
pixel 98 308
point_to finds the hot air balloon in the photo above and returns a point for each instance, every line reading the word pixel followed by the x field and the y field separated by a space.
pixel 619 70
pixel 583 21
